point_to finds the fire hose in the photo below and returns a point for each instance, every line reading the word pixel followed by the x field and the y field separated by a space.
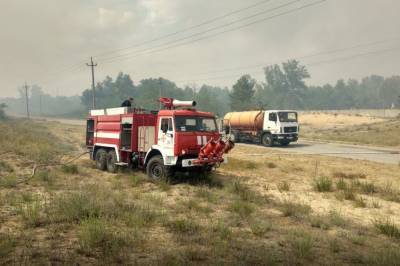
pixel 37 166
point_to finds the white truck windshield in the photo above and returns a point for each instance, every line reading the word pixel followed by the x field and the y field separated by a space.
pixel 192 123
pixel 287 116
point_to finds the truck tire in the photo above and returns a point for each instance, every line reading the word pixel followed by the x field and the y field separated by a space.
pixel 156 170
pixel 267 140
pixel 101 159
pixel 111 160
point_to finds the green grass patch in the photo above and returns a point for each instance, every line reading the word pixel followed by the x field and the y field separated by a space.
pixel 301 244
pixel 8 181
pixel 388 228
pixel 184 226
pixel 242 208
pixel 6 167
pixel 98 236
pixel 294 209
pixel 323 184
pixel 70 169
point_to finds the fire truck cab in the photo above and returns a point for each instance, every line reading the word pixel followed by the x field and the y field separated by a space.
pixel 178 138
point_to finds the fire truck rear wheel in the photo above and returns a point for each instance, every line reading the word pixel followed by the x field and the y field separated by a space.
pixel 156 170
pixel 101 159
pixel 111 160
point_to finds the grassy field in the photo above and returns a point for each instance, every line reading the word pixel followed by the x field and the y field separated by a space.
pixel 270 210
pixel 355 129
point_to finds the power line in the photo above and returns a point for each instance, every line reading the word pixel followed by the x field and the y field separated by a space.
pixel 185 29
pixel 320 53
pixel 73 67
pixel 307 64
pixel 150 51
pixel 206 31
pixel 216 34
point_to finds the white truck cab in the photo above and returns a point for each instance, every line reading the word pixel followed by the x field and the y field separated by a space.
pixel 280 126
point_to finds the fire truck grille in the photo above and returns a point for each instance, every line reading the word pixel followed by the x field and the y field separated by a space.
pixel 290 129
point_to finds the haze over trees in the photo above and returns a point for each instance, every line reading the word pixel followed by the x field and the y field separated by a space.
pixel 284 87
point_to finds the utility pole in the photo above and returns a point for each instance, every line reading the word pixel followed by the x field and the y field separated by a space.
pixel 27 100
pixel 92 65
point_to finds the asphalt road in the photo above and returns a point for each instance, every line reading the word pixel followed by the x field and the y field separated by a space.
pixel 375 154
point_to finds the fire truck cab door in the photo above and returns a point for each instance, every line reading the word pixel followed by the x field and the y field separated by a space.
pixel 166 134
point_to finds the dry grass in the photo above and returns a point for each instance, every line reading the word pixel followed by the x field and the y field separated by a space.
pixel 351 129
pixel 252 212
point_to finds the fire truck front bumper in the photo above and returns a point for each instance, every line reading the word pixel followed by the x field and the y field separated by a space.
pixel 202 162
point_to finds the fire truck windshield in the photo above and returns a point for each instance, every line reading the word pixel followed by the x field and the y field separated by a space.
pixel 193 123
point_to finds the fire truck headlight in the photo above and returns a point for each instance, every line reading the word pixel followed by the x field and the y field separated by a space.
pixel 183 152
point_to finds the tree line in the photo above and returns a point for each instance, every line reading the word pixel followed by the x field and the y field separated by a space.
pixel 284 87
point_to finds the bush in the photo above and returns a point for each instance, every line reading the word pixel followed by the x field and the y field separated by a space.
pixel 341 184
pixel 97 235
pixel 184 226
pixel 7 244
pixel 260 228
pixel 91 201
pixel 387 227
pixel 8 181
pixel 70 169
pixel 242 208
pixel 245 193
pixel 301 244
pixel 322 184
pixel 283 186
pixel 297 210
pixel 31 213
pixel 6 167
pixel 368 188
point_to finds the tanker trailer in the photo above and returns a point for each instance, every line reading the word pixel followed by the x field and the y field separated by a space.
pixel 264 127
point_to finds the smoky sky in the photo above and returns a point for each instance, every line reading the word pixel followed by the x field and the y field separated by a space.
pixel 48 42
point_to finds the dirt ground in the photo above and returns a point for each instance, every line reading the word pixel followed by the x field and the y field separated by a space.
pixel 263 209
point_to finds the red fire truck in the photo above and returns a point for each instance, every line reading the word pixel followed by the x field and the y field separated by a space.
pixel 177 138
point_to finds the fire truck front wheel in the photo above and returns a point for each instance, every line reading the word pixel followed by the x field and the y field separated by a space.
pixel 156 170
pixel 101 159
pixel 111 160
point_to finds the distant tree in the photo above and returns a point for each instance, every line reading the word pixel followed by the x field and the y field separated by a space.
pixel 2 111
pixel 287 86
pixel 242 93
pixel 390 92
pixel 110 93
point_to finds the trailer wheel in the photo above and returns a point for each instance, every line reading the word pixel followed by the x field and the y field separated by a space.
pixel 101 159
pixel 156 170
pixel 111 160
pixel 267 140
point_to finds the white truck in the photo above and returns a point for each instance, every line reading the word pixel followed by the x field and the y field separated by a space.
pixel 267 127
